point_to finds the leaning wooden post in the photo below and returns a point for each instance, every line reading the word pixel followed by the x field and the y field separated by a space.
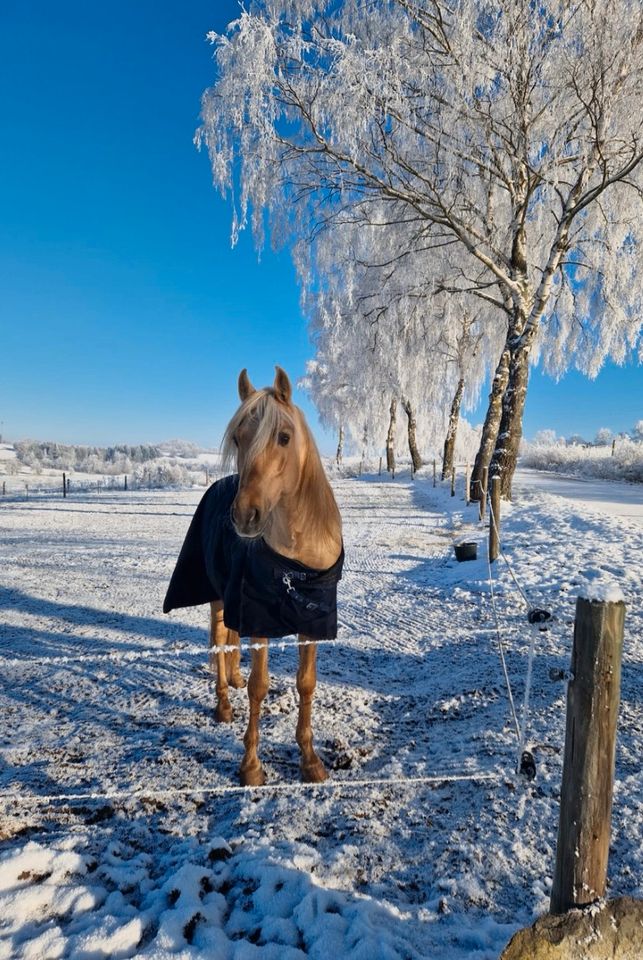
pixel 434 472
pixel 453 481
pixel 590 743
pixel 483 492
pixel 494 519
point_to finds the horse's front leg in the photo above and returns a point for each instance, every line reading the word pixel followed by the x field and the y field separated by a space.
pixel 251 772
pixel 312 769
pixel 218 639
pixel 233 661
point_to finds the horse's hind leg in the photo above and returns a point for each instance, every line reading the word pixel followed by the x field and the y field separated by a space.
pixel 233 661
pixel 312 769
pixel 218 640
pixel 251 772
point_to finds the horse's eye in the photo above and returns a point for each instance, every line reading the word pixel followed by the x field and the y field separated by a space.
pixel 283 439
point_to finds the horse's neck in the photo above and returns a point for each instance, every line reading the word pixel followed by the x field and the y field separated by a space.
pixel 314 539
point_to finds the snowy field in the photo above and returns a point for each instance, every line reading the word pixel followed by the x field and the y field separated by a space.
pixel 122 831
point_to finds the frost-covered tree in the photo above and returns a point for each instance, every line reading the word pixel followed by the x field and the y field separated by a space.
pixel 508 129
pixel 383 302
pixel 603 437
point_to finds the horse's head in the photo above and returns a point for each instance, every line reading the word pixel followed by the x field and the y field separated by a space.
pixel 269 440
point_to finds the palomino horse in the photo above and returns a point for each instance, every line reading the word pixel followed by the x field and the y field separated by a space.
pixel 265 548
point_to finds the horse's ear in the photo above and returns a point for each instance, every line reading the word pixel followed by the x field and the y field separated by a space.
pixel 281 386
pixel 245 387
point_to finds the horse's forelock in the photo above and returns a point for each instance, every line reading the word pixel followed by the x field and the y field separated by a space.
pixel 269 413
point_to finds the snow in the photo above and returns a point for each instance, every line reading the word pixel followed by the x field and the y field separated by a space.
pixel 597 496
pixel 7 452
pixel 588 462
pixel 161 855
pixel 601 590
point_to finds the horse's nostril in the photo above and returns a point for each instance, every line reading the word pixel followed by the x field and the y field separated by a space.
pixel 253 517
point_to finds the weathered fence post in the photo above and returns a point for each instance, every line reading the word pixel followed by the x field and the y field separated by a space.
pixel 453 481
pixel 393 472
pixel 467 485
pixel 64 485
pixel 125 482
pixel 613 445
pixel 434 472
pixel 379 472
pixel 27 490
pixel 483 492
pixel 207 477
pixel 590 742
pixel 4 487
pixel 494 519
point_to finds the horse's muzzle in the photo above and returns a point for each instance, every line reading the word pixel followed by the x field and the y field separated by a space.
pixel 247 521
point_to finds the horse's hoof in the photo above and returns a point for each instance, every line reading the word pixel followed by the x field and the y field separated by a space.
pixel 252 776
pixel 223 714
pixel 237 681
pixel 314 772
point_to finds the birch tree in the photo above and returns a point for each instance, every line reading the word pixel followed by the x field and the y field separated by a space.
pixel 508 130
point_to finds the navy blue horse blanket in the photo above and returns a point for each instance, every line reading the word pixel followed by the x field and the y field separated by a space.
pixel 264 594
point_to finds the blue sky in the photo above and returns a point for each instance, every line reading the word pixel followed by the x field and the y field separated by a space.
pixel 124 314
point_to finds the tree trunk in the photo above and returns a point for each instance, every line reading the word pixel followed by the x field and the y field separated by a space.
pixel 449 443
pixel 390 437
pixel 416 459
pixel 491 424
pixel 340 446
pixel 505 454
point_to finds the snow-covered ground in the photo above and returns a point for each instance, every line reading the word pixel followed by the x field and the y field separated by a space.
pixel 122 831
pixel 600 496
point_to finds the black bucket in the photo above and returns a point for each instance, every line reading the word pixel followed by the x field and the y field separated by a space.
pixel 465 551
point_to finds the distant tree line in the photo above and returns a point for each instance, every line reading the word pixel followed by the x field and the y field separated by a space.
pixel 111 460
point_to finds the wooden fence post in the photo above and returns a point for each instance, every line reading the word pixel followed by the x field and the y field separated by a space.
pixel 434 472
pixel 453 481
pixel 125 483
pixel 379 472
pixel 4 487
pixel 483 492
pixel 64 485
pixel 467 485
pixel 494 519
pixel 613 445
pixel 590 741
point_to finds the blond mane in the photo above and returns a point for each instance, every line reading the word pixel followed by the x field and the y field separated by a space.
pixel 319 510
pixel 263 408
